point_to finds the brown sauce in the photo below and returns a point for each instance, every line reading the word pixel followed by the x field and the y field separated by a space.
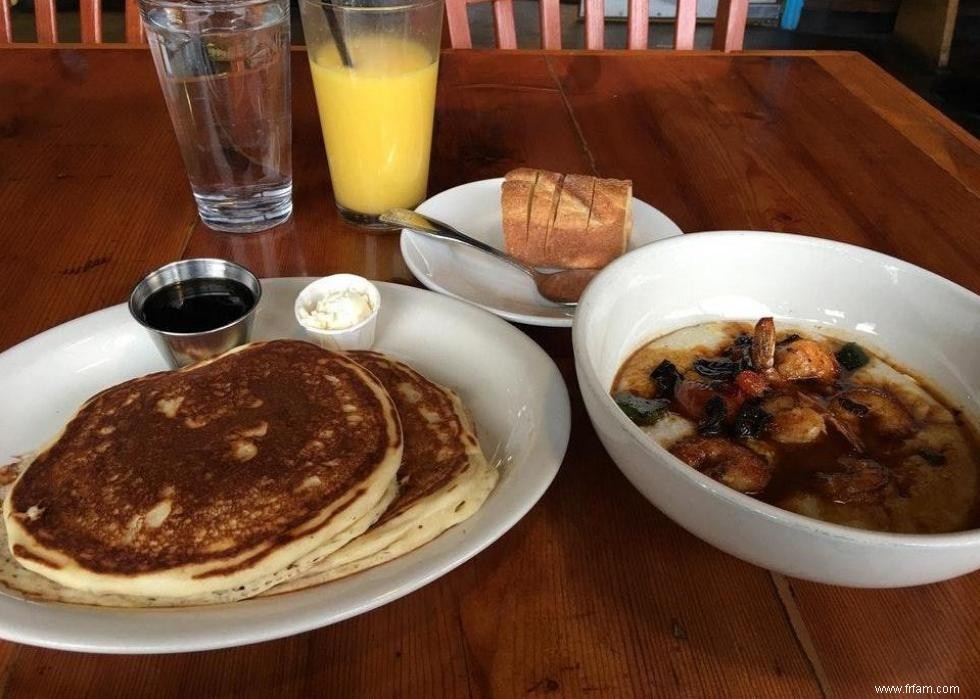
pixel 921 460
pixel 197 305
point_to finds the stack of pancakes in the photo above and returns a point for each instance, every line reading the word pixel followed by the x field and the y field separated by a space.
pixel 273 468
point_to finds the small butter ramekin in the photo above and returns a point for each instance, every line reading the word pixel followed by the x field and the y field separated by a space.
pixel 356 337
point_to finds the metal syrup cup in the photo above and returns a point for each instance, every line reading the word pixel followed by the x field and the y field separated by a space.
pixel 181 349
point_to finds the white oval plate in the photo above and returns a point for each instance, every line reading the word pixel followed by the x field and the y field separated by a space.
pixel 473 276
pixel 515 392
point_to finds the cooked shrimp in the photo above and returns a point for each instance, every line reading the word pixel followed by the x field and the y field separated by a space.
pixel 806 360
pixel 829 418
pixel 886 414
pixel 799 360
pixel 861 481
pixel 732 464
pixel 751 383
pixel 796 419
pixel 763 345
pixel 692 396
pixel 762 448
pixel 846 431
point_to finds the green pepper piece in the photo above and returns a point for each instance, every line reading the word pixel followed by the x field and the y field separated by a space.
pixel 642 411
pixel 851 356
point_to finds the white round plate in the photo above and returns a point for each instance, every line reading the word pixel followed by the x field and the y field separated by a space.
pixel 473 276
pixel 515 393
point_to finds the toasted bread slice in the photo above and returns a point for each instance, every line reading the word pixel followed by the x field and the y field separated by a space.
pixel 610 223
pixel 573 221
pixel 544 204
pixel 515 205
pixel 567 241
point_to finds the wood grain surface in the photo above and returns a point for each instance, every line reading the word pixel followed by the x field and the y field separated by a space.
pixel 92 187
pixel 594 592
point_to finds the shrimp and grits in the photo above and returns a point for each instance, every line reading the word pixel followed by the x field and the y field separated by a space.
pixel 808 422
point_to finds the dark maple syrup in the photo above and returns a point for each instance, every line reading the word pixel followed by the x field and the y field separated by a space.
pixel 197 305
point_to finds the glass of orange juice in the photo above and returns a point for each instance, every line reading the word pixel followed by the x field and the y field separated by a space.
pixel 374 65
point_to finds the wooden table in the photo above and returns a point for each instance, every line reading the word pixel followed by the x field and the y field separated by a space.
pixel 594 593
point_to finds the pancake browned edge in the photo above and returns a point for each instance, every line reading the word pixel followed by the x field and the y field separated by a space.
pixel 16 580
pixel 210 482
pixel 443 480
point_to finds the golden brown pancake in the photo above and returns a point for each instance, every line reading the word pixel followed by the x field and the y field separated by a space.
pixel 207 478
pixel 437 443
pixel 444 477
pixel 18 581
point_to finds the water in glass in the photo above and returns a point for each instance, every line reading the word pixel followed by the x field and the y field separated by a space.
pixel 224 69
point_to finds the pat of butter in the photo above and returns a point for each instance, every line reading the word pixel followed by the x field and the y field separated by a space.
pixel 337 310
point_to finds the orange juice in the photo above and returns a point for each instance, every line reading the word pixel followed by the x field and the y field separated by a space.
pixel 377 120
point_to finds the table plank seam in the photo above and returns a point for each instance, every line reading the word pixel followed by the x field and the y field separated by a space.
pixel 800 632
pixel 465 650
pixel 189 237
pixel 571 115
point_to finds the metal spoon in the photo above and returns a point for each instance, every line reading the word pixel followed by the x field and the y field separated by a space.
pixel 563 287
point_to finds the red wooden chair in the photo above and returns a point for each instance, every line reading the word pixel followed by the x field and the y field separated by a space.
pixel 729 29
pixel 90 11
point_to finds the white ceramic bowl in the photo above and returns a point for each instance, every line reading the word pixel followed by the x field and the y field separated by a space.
pixel 918 318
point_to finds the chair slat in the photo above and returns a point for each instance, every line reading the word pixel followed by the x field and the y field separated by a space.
pixel 459 24
pixel 134 25
pixel 549 12
pixel 6 30
pixel 46 21
pixel 729 31
pixel 91 16
pixel 687 21
pixel 595 24
pixel 638 18
pixel 503 24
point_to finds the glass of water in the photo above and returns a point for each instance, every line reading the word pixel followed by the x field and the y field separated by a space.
pixel 224 69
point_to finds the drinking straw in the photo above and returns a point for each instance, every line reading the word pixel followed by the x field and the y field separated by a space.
pixel 338 36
